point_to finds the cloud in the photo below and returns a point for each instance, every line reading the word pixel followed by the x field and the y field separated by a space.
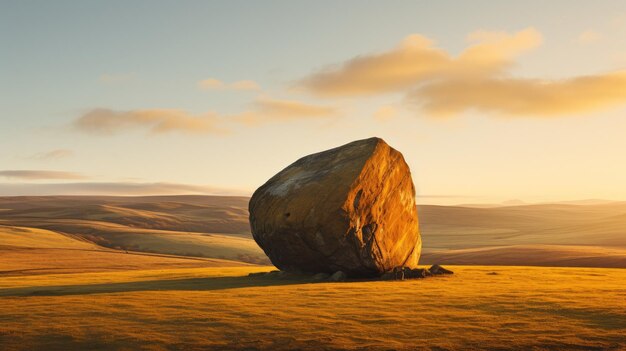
pixel 417 60
pixel 117 78
pixel 113 188
pixel 289 109
pixel 588 37
pixel 245 85
pixel 511 96
pixel 495 51
pixel 265 109
pixel 40 175
pixel 478 78
pixel 157 121
pixel 216 84
pixel 210 83
pixel 385 113
pixel 52 155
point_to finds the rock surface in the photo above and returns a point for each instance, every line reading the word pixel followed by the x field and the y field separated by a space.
pixel 321 276
pixel 349 209
pixel 438 270
pixel 338 276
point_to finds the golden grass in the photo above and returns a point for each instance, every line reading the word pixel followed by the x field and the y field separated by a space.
pixel 35 261
pixel 532 255
pixel 220 308
pixel 39 238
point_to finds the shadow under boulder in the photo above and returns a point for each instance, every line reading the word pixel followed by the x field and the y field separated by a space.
pixel 403 273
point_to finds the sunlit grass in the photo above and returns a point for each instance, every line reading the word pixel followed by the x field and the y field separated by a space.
pixel 39 238
pixel 206 308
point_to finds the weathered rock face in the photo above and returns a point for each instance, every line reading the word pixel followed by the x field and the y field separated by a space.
pixel 350 209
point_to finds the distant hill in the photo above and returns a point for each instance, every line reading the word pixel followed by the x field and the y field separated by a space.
pixel 583 234
pixel 561 234
pixel 206 214
pixel 531 255
pixel 455 227
pixel 198 226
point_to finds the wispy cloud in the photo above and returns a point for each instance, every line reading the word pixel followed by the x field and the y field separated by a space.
pixel 266 109
pixel 523 97
pixel 211 83
pixel 216 84
pixel 417 60
pixel 52 155
pixel 156 121
pixel 40 175
pixel 477 79
pixel 159 121
pixel 245 85
pixel 113 188
pixel 385 113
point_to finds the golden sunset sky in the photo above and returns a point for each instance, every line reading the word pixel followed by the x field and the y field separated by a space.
pixel 488 101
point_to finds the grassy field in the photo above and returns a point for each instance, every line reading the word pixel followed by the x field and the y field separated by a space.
pixel 108 273
pixel 495 308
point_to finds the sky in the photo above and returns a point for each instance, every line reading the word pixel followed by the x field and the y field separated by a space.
pixel 487 101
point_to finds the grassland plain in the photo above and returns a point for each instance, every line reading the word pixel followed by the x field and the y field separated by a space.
pixel 478 308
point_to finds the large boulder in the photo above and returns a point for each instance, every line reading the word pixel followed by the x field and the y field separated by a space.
pixel 349 209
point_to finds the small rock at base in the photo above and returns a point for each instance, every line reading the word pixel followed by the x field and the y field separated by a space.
pixel 399 273
pixel 438 270
pixel 416 273
pixel 402 273
pixel 388 276
pixel 276 274
pixel 321 276
pixel 257 274
pixel 338 276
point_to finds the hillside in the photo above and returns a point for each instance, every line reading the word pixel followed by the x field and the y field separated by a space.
pixel 543 235
pixel 532 255
pixel 583 234
pixel 197 226
pixel 453 227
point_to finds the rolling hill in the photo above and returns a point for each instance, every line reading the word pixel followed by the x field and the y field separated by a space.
pixel 545 234
pixel 582 234
pixel 194 226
